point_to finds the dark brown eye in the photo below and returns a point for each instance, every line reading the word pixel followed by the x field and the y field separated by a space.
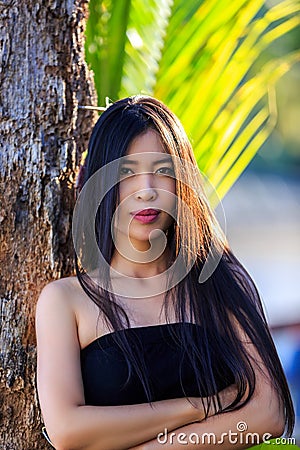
pixel 125 171
pixel 165 171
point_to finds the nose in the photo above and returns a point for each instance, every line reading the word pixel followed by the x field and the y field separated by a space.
pixel 147 191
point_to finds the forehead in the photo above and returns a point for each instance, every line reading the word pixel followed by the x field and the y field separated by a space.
pixel 148 142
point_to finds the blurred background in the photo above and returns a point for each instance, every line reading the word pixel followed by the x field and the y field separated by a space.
pixel 231 73
pixel 263 221
pixel 263 227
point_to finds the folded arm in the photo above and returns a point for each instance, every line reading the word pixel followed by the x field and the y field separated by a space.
pixel 260 419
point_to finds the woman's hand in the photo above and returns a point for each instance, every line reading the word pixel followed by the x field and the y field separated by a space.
pixel 211 405
pixel 226 396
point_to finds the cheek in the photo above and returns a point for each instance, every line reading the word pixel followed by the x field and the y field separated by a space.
pixel 169 203
pixel 169 185
pixel 167 192
pixel 127 188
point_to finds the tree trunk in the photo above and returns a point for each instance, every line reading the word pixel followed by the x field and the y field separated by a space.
pixel 42 135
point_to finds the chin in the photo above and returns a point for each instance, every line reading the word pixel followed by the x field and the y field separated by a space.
pixel 140 240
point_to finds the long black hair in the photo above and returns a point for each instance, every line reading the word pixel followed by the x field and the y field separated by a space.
pixel 226 306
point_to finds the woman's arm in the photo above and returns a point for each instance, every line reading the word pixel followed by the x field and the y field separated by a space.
pixel 261 419
pixel 70 424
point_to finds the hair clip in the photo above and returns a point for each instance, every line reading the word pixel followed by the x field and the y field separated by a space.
pixel 91 107
pixel 108 103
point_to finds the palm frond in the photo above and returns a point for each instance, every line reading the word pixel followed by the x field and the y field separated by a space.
pixel 217 82
pixel 105 44
pixel 206 59
pixel 146 30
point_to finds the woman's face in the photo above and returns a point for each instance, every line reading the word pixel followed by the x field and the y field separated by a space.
pixel 146 191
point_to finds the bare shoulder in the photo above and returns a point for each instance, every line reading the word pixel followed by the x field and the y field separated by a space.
pixel 64 303
pixel 56 304
pixel 60 286
pixel 62 293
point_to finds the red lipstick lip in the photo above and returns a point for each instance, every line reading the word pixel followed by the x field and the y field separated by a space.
pixel 146 216
pixel 146 212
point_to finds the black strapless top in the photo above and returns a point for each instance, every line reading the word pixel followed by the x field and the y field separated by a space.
pixel 104 368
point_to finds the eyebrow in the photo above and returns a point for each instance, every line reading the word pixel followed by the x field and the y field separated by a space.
pixel 131 161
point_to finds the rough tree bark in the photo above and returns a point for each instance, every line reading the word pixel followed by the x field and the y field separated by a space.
pixel 42 135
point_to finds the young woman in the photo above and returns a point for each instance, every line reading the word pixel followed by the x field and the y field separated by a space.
pixel 160 339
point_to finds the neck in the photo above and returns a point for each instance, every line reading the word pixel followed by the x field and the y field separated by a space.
pixel 139 267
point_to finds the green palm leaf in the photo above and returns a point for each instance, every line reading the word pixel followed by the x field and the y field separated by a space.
pixel 214 109
pixel 147 25
pixel 105 44
pixel 206 59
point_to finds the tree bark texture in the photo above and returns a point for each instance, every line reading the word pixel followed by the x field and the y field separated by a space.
pixel 43 79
